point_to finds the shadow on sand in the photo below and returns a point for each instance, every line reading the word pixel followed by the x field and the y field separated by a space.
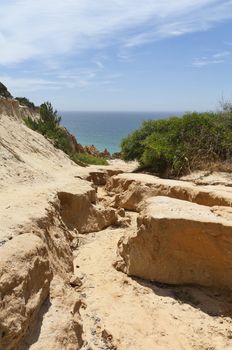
pixel 210 301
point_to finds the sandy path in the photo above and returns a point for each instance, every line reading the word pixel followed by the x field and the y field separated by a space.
pixel 122 313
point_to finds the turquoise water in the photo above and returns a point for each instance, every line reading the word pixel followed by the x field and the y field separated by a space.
pixel 106 129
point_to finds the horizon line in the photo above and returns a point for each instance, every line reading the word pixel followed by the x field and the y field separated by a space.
pixel 121 111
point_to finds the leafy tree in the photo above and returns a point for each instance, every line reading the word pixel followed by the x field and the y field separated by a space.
pixel 49 116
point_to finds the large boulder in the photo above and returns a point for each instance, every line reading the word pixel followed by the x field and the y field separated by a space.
pixel 179 242
pixel 4 92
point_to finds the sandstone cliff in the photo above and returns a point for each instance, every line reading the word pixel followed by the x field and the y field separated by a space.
pixel 44 205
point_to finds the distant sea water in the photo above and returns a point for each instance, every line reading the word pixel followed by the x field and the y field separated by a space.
pixel 106 129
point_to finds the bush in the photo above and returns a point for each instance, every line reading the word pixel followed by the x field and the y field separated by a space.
pixel 49 126
pixel 25 102
pixel 88 159
pixel 179 145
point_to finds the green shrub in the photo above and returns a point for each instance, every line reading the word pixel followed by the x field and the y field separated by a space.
pixel 179 145
pixel 88 159
pixel 49 126
pixel 25 102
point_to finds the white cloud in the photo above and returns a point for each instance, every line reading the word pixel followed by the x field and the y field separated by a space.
pixel 27 84
pixel 46 29
pixel 217 58
pixel 198 62
pixel 99 64
pixel 222 54
pixel 68 79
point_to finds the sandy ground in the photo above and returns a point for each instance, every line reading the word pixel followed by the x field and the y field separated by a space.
pixel 120 312
pixel 130 314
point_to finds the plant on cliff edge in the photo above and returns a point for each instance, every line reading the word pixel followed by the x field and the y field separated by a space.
pixel 25 102
pixel 49 126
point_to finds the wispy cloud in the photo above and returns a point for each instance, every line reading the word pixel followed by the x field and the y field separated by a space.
pixel 99 64
pixel 44 29
pixel 222 54
pixel 43 41
pixel 228 43
pixel 28 84
pixel 68 79
pixel 217 58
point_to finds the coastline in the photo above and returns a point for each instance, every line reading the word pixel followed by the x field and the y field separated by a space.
pixel 106 129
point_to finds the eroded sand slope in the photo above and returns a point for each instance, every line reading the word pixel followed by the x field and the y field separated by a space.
pixel 59 287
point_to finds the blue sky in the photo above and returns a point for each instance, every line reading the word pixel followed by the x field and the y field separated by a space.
pixel 150 55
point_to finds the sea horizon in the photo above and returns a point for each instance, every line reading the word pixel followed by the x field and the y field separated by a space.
pixel 106 129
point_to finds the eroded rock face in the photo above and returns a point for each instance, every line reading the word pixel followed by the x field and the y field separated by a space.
pixel 28 263
pixel 178 242
pixel 132 189
pixel 93 151
pixel 80 211
pixel 98 177
pixel 57 238
pixel 58 321
pixel 76 147
pixel 25 277
pixel 13 109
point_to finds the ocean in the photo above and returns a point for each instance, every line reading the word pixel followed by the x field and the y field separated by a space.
pixel 106 129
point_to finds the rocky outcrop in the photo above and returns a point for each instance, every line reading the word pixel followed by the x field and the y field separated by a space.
pixel 4 92
pixel 132 189
pixel 57 238
pixel 36 267
pixel 76 147
pixel 79 211
pixel 25 276
pixel 105 154
pixel 13 109
pixel 100 177
pixel 93 151
pixel 178 242
pixel 43 253
pixel 29 263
